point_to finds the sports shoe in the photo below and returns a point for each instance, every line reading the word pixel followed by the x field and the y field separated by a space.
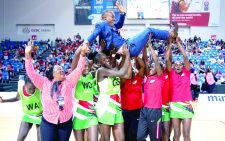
pixel 174 28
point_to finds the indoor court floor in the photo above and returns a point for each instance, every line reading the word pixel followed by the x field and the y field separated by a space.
pixel 11 113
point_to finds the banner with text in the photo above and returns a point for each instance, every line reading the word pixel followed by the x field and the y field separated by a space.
pixel 35 29
pixel 211 107
pixel 98 6
pixel 147 9
pixel 89 11
pixel 195 12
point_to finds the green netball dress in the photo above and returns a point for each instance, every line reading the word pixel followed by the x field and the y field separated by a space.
pixel 108 107
pixel 181 110
pixel 85 116
pixel 165 113
pixel 32 107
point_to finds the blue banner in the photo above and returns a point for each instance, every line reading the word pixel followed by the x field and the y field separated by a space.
pixel 92 10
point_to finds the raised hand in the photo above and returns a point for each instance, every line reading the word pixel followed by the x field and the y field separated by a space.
pixel 178 39
pixel 125 50
pixel 84 49
pixel 150 39
pixel 120 7
pixel 29 48
pixel 178 42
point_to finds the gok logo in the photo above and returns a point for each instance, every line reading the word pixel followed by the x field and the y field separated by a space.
pixel 26 30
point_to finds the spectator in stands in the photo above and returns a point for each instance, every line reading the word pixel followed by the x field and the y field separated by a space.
pixel 222 79
pixel 220 60
pixel 210 81
pixel 32 108
pixel 218 74
pixel 0 75
pixel 17 56
pixel 21 51
pixel 1 66
pixel 10 70
pixel 212 60
pixel 68 41
pixel 195 38
pixel 222 51
pixel 195 64
pixel 195 89
pixel 6 54
pixel 78 36
pixel 202 67
pixel 56 96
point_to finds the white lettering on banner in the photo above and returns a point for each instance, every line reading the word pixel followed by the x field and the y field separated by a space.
pixel 34 29
pixel 211 107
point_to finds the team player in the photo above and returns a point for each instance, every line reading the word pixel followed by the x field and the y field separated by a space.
pixel 166 97
pixel 108 107
pixel 151 113
pixel 181 111
pixel 32 108
pixel 110 39
pixel 85 117
pixel 131 99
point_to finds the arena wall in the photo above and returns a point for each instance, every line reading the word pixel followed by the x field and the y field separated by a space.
pixel 1 19
pixel 60 15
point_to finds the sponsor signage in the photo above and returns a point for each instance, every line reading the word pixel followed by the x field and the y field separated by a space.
pixel 35 29
pixel 195 12
pixel 211 107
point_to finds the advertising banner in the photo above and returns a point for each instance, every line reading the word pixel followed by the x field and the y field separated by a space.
pixel 82 9
pixel 89 11
pixel 35 29
pixel 195 12
pixel 148 9
pixel 211 107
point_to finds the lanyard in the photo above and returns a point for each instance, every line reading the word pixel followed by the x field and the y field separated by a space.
pixel 56 89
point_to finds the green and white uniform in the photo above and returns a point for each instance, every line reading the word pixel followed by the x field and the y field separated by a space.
pixel 32 107
pixel 165 113
pixel 181 110
pixel 108 107
pixel 85 116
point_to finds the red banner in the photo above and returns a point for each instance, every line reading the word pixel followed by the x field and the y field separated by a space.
pixel 195 12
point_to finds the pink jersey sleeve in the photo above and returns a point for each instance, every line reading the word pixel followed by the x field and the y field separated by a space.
pixel 37 79
pixel 74 76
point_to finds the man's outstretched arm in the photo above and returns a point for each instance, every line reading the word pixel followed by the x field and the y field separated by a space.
pixel 94 34
pixel 119 24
